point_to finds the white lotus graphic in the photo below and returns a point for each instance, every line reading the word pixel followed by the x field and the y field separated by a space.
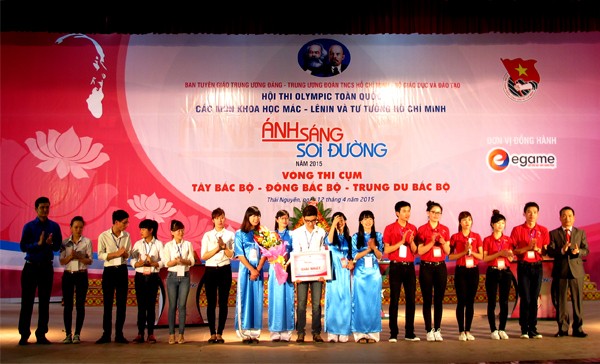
pixel 66 153
pixel 151 207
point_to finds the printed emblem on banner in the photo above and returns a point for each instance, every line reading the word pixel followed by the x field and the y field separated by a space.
pixel 521 80
pixel 323 58
pixel 498 160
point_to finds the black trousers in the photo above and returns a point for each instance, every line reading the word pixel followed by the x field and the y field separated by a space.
pixel 402 275
pixel 466 282
pixel 146 290
pixel 74 284
pixel 497 280
pixel 217 283
pixel 114 281
pixel 529 277
pixel 433 279
pixel 40 277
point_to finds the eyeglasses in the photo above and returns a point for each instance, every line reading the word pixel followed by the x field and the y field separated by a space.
pixel 311 221
pixel 436 212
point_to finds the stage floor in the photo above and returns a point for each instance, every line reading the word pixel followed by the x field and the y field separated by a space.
pixel 196 349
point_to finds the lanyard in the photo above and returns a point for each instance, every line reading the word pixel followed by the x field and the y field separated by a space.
pixel 468 238
pixel 148 246
pixel 499 243
pixel 402 230
pixel 115 240
pixel 179 249
pixel 532 234
pixel 309 238
pixel 75 243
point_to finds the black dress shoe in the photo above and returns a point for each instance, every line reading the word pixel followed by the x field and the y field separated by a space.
pixel 23 340
pixel 41 340
pixel 103 340
pixel 300 338
pixel 580 334
pixel 561 334
pixel 121 340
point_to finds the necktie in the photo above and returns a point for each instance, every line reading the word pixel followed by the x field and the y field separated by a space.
pixel 335 71
pixel 568 231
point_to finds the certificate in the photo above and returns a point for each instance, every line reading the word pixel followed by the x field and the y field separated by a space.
pixel 310 266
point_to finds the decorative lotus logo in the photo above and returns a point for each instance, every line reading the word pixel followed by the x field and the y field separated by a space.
pixel 66 153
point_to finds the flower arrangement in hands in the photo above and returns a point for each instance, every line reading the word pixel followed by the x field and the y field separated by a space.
pixel 274 249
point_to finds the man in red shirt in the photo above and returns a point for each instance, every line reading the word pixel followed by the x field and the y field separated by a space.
pixel 399 244
pixel 530 239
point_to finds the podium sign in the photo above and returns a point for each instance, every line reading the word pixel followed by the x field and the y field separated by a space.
pixel 310 266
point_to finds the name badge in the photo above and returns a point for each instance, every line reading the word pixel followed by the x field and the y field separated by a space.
pixel 344 261
pixel 180 271
pixel 147 270
pixel 500 263
pixel 530 254
pixel 403 251
pixel 469 263
pixel 117 261
pixel 368 261
pixel 437 251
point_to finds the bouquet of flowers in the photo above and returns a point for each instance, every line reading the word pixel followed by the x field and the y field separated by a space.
pixel 274 249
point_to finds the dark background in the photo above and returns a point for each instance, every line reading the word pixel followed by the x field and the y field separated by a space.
pixel 316 17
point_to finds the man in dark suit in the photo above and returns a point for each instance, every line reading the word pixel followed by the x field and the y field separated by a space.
pixel 335 66
pixel 568 245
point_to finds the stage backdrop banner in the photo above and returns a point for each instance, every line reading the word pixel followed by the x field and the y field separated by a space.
pixel 174 126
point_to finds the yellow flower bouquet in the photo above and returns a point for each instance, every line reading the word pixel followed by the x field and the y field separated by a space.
pixel 274 249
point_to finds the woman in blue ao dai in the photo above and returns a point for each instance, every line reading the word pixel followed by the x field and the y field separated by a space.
pixel 250 286
pixel 281 295
pixel 338 294
pixel 367 249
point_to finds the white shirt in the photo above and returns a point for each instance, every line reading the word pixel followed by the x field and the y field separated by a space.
pixel 141 249
pixel 84 246
pixel 109 243
pixel 303 241
pixel 173 250
pixel 210 242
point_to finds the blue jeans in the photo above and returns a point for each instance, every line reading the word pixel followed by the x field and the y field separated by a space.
pixel 177 290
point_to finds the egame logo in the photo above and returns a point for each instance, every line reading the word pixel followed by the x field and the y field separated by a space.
pixel 498 160
pixel 521 80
